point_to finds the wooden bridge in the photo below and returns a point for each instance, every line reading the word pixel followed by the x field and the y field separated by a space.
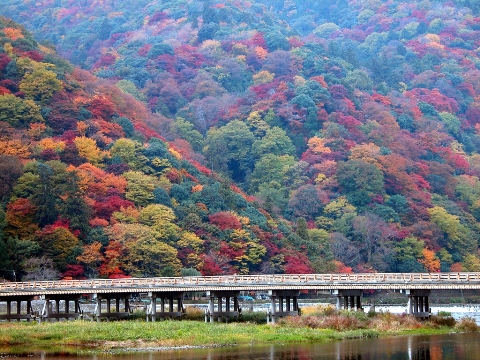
pixel 347 287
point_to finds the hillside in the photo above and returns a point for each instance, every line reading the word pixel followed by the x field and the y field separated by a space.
pixel 89 190
pixel 356 121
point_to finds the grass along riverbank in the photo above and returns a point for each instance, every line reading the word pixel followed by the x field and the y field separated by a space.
pixel 322 324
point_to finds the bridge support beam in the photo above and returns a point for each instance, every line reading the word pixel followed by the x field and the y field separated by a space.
pixel 166 299
pixel 418 303
pixel 116 314
pixel 232 308
pixel 289 298
pixel 49 312
pixel 349 299
pixel 16 314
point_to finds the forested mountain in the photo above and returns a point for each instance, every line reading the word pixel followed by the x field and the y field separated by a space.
pixel 89 190
pixel 356 121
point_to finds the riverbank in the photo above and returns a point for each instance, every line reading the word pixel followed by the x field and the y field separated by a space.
pixel 79 337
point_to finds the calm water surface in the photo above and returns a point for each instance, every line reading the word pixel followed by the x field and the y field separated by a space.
pixel 454 347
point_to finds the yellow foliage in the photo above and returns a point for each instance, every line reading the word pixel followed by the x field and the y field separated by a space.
pixel 175 153
pixel 190 240
pixel 263 77
pixel 299 81
pixel 88 149
pixel 433 37
pixel 365 152
pixel 49 143
pixel 320 178
pixel 239 235
pixel 8 49
pixel 210 44
pixel 195 261
pixel 244 220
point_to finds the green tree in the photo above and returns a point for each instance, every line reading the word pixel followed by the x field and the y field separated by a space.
pixel 19 112
pixel 228 149
pixel 407 252
pixel 275 142
pixel 140 187
pixel 457 235
pixel 360 180
pixel 187 131
pixel 40 85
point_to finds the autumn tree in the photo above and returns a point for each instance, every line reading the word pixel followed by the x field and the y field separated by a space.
pixel 40 84
pixel 19 112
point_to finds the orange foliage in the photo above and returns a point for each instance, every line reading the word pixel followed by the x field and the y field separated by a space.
pixel 321 80
pixel 13 34
pixel 430 261
pixel 342 268
pixel 197 188
pixel 456 267
pixel 261 52
pixel 317 145
pixel 14 147
pixel 97 222
pixel 4 90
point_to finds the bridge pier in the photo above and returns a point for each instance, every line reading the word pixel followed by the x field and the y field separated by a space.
pixel 418 303
pixel 211 314
pixel 166 299
pixel 17 314
pixel 349 299
pixel 117 299
pixel 290 297
pixel 47 313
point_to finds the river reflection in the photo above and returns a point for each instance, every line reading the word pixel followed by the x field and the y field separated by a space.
pixel 448 347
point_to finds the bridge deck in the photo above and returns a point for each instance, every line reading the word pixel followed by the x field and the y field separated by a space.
pixel 374 281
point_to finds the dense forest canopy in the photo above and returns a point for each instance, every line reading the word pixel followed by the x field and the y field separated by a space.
pixel 240 136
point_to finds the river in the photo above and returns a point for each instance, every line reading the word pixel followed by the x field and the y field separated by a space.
pixel 451 347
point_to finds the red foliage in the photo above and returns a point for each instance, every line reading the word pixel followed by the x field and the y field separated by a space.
pixel 433 97
pixel 210 268
pixel 47 154
pixel 296 263
pixel 146 131
pixel 174 176
pixel 295 42
pixel 34 55
pixel 143 51
pixel 111 267
pixel 385 100
pixel 158 16
pixel 102 107
pixel 4 91
pixel 104 61
pixel 4 60
pixel 104 208
pixel 258 40
pixel 225 220
pixel 201 168
pixel 21 207
pixel 74 272
pixel 342 268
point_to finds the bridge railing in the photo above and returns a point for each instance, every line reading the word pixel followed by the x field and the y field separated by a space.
pixel 306 279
